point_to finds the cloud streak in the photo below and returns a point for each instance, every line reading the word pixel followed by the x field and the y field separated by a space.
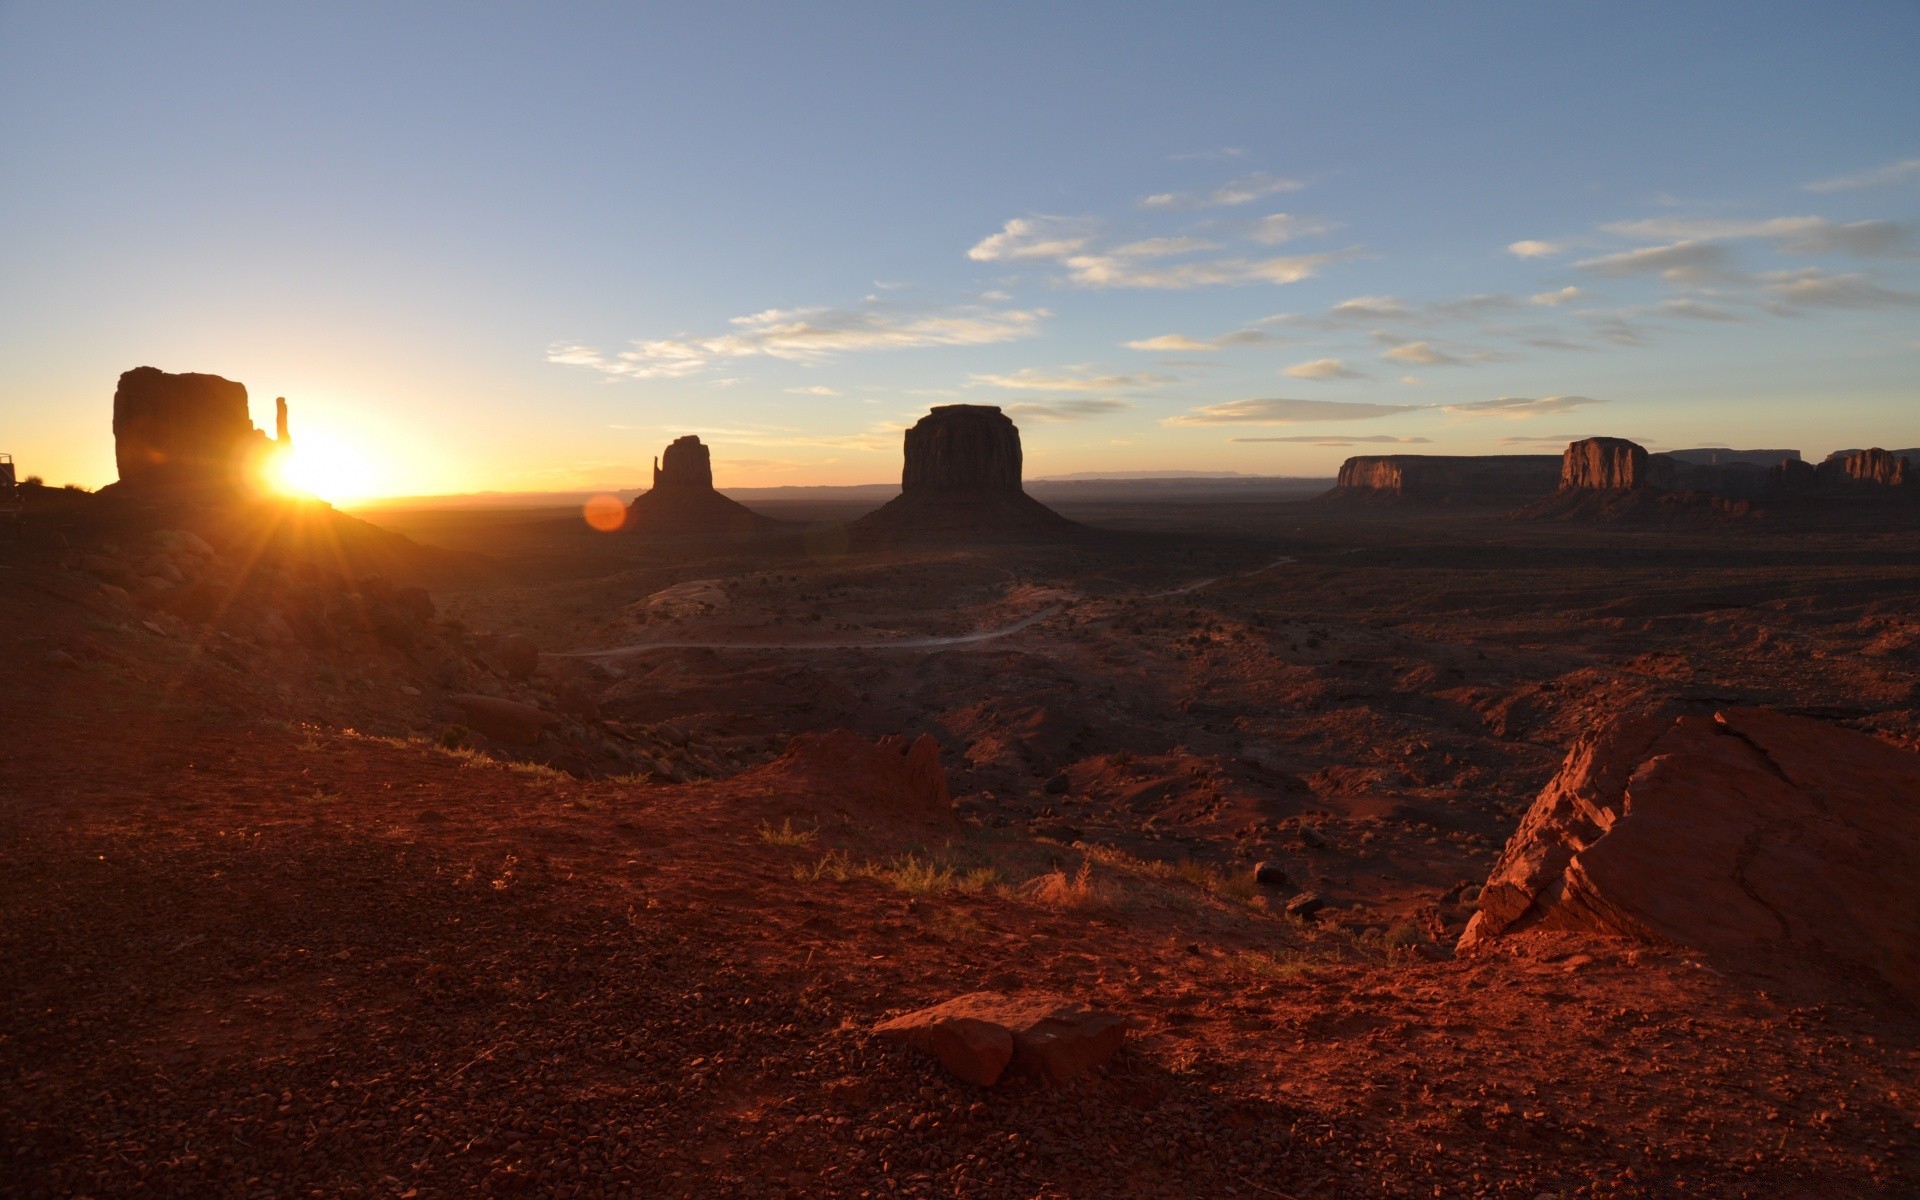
pixel 806 336
pixel 1281 411
pixel 1520 408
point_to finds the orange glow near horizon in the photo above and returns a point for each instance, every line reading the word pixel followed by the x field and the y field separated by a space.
pixel 605 513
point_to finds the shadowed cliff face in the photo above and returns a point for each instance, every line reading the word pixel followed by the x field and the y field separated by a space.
pixel 962 448
pixel 683 502
pixel 1865 469
pixel 1491 477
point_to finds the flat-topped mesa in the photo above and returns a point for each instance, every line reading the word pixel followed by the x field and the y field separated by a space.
pixel 962 448
pixel 1865 470
pixel 683 502
pixel 1485 478
pixel 960 480
pixel 188 433
pixel 1604 463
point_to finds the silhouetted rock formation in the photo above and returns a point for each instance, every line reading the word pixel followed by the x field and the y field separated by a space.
pixel 683 502
pixel 1487 478
pixel 188 433
pixel 961 479
pixel 1748 832
pixel 1604 462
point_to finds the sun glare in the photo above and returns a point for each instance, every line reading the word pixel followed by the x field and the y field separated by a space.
pixel 319 466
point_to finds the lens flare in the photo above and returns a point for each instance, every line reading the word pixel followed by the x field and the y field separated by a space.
pixel 605 513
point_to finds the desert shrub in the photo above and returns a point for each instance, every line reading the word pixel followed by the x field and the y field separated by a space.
pixel 1403 936
pixel 786 835
pixel 456 737
pixel 539 771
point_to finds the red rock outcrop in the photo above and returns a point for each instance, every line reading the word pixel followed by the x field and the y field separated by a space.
pixel 1488 478
pixel 186 432
pixel 1748 832
pixel 1602 463
pixel 982 1037
pixel 683 501
pixel 961 479
pixel 1864 470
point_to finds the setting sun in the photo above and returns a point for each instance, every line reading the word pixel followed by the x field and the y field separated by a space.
pixel 319 466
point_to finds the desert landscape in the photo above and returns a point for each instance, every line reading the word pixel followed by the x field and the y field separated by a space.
pixel 1280 827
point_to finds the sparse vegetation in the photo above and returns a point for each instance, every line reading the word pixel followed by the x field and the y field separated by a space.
pixel 786 835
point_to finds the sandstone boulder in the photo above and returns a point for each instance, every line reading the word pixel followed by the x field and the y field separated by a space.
pixel 983 1037
pixel 1750 832
pixel 504 720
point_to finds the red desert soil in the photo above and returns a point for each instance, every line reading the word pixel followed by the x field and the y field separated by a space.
pixel 244 953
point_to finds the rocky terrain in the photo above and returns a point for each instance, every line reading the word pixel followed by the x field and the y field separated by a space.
pixel 347 863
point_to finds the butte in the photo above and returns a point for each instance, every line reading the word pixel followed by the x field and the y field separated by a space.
pixel 961 481
pixel 682 501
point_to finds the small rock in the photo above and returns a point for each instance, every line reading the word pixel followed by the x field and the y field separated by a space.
pixel 115 593
pixel 407 689
pixel 1058 785
pixel 507 720
pixel 1306 906
pixel 61 659
pixel 983 1035
pixel 1309 836
pixel 154 627
pixel 1272 874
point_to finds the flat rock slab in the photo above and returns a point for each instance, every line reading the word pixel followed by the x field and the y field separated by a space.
pixel 984 1036
pixel 507 720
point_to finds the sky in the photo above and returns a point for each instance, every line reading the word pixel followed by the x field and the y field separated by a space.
pixel 488 247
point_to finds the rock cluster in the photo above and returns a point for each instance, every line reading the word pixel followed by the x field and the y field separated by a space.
pixel 1747 832
pixel 961 480
pixel 188 433
pixel 1865 470
pixel 1488 478
pixel 683 502
pixel 983 1037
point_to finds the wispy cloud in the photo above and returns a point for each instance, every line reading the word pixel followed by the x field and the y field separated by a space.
pixel 1566 295
pixel 1181 343
pixel 1067 410
pixel 1424 353
pixel 1370 308
pixel 1075 379
pixel 1117 270
pixel 1284 227
pixel 1898 172
pixel 1520 407
pixel 1257 186
pixel 807 335
pixel 1279 411
pixel 1341 439
pixel 1680 262
pixel 816 390
pixel 1034 238
pixel 1811 287
pixel 1533 249
pixel 1323 368
pixel 1796 235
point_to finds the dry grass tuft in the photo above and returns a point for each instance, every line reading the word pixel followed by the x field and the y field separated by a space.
pixel 1078 893
pixel 786 835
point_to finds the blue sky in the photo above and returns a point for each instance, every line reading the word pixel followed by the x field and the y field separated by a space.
pixel 521 247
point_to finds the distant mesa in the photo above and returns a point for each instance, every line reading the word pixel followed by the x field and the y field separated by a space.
pixel 961 481
pixel 682 501
pixel 1443 478
pixel 189 434
pixel 1615 477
